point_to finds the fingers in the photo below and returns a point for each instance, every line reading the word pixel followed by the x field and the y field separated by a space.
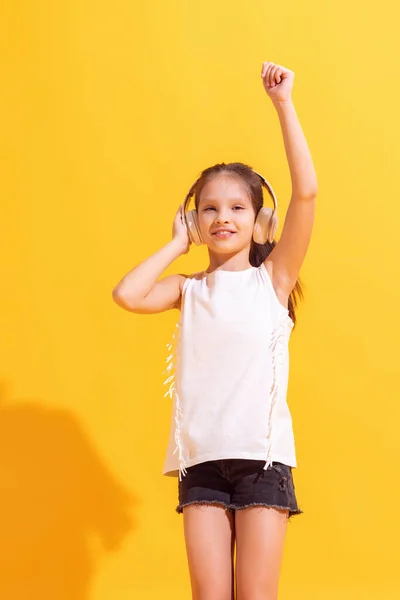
pixel 264 69
pixel 272 73
pixel 180 213
pixel 276 72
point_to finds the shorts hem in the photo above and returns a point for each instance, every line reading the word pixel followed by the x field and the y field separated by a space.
pixel 292 511
pixel 232 507
pixel 180 507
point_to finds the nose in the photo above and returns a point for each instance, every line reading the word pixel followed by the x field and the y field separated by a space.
pixel 221 218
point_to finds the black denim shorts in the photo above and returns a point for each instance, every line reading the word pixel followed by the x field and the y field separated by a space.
pixel 237 483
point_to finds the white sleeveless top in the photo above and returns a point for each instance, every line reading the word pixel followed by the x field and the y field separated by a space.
pixel 228 372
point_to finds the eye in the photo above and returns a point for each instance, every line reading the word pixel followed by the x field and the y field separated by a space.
pixel 212 208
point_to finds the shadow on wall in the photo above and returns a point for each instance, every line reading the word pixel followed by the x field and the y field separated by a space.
pixel 59 504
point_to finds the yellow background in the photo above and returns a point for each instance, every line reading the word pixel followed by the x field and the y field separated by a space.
pixel 109 111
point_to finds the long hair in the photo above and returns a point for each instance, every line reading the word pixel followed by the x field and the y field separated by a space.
pixel 245 175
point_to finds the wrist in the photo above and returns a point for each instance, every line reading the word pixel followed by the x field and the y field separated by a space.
pixel 282 104
pixel 178 246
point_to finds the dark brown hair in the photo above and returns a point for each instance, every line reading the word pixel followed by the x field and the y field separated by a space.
pixel 245 175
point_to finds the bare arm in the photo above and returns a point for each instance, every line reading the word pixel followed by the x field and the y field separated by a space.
pixel 140 292
pixel 289 253
pixel 287 257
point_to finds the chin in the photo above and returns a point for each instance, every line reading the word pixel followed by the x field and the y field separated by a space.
pixel 221 244
pixel 226 247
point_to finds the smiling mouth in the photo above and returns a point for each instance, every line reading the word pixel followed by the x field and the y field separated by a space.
pixel 223 234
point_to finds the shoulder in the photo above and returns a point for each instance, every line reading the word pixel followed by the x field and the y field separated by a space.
pixel 183 280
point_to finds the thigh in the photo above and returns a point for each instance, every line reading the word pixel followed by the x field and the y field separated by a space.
pixel 260 534
pixel 210 537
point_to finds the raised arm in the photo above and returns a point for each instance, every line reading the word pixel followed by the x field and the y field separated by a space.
pixel 285 260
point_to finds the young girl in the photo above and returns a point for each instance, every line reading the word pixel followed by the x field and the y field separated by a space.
pixel 231 437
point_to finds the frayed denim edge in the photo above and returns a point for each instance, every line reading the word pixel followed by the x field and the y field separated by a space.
pixel 179 508
pixel 232 507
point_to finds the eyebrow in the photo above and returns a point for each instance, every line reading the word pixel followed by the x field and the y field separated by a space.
pixel 204 200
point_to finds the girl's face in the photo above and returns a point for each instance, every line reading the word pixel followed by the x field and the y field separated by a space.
pixel 225 203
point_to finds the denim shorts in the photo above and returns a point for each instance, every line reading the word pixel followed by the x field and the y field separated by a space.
pixel 237 483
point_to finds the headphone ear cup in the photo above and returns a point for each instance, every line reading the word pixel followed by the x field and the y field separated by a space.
pixel 265 225
pixel 193 228
pixel 273 227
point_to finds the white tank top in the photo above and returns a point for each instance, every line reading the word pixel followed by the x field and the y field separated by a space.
pixel 228 368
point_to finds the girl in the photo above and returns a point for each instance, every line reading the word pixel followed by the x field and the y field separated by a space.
pixel 231 438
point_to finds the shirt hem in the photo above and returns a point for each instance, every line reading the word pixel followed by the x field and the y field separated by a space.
pixel 291 462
